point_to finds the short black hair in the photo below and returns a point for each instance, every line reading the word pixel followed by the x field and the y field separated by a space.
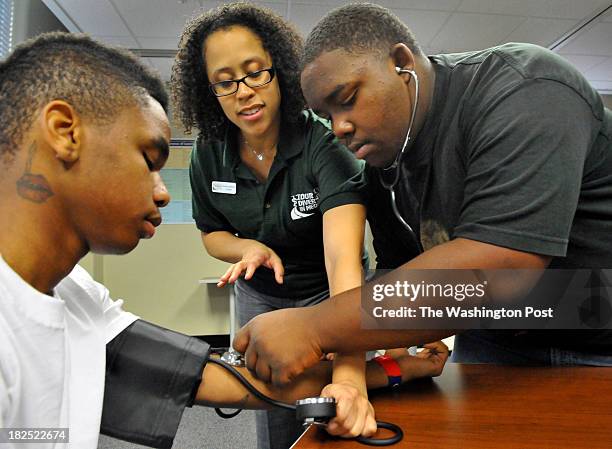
pixel 358 27
pixel 96 79
pixel 195 105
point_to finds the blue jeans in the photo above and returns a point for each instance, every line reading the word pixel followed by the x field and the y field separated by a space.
pixel 276 429
pixel 482 346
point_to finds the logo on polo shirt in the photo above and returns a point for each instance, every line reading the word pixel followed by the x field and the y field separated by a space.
pixel 304 204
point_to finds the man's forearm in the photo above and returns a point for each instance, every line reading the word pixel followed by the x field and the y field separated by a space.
pixel 348 306
pixel 332 333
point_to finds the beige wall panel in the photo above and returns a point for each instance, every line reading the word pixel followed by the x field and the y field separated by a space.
pixel 159 282
pixel 87 262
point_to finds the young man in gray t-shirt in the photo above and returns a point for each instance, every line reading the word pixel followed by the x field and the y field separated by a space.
pixel 499 159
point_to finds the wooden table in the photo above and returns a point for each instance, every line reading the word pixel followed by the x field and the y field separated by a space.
pixel 489 406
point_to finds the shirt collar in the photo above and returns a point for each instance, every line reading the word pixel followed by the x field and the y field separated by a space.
pixel 291 142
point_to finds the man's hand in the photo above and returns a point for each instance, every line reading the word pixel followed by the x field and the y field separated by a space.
pixel 255 255
pixel 354 413
pixel 279 345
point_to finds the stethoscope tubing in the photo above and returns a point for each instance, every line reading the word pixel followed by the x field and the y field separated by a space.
pixel 396 165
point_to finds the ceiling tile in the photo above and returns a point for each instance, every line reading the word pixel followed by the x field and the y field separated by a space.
pixel 314 3
pixel 464 32
pixel 583 62
pixel 164 18
pixel 596 40
pixel 562 9
pixel 601 71
pixel 120 41
pixel 439 25
pixel 95 17
pixel 163 43
pixel 158 18
pixel 540 31
pixel 435 5
pixel 304 16
pixel 163 66
pixel 602 86
pixel 279 7
pixel 424 24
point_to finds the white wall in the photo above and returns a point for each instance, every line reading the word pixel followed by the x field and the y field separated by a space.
pixel 159 281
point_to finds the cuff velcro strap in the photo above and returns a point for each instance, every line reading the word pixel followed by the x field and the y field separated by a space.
pixel 391 367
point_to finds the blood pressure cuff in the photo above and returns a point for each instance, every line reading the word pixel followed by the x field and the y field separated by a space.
pixel 152 374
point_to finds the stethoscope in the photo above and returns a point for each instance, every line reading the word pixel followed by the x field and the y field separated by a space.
pixel 398 159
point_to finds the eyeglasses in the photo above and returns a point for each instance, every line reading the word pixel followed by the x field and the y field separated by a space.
pixel 254 79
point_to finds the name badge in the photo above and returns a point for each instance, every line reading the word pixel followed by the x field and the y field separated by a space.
pixel 228 188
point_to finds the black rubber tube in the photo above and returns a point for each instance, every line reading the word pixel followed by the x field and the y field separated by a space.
pixel 399 434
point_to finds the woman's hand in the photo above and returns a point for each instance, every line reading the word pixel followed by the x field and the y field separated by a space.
pixel 254 255
pixel 354 413
pixel 427 363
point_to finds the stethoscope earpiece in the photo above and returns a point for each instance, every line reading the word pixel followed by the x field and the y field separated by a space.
pixel 399 71
pixel 398 158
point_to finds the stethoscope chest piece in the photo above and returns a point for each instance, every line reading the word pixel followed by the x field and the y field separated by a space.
pixel 317 411
pixel 233 358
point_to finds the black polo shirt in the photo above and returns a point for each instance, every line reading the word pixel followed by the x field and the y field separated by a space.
pixel 311 174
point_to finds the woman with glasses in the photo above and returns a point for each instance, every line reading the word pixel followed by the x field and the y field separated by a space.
pixel 273 193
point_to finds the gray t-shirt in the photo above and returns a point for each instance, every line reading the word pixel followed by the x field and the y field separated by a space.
pixel 516 151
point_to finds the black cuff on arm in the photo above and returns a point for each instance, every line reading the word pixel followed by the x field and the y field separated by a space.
pixel 152 374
